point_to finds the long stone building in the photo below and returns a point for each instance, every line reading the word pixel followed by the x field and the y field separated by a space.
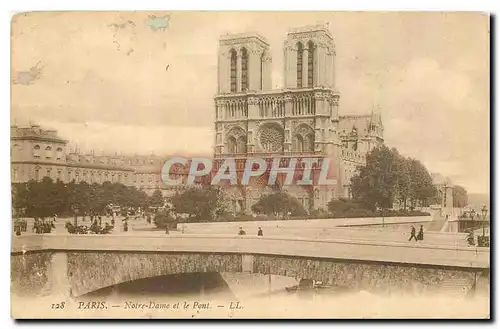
pixel 38 153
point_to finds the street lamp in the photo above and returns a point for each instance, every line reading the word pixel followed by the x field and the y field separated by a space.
pixel 472 214
pixel 484 212
pixel 75 212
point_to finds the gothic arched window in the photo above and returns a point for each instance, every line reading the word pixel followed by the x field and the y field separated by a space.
pixel 300 51
pixel 262 71
pixel 299 143
pixel 241 146
pixel 309 143
pixel 231 145
pixel 310 64
pixel 233 70
pixel 244 69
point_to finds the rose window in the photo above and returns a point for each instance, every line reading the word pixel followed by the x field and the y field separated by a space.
pixel 271 139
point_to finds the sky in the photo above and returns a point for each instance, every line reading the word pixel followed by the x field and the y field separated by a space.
pixel 144 82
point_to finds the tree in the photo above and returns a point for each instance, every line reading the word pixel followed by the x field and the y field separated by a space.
pixel 388 176
pixel 163 219
pixel 375 183
pixel 460 198
pixel 422 187
pixel 404 182
pixel 279 204
pixel 199 203
pixel 156 200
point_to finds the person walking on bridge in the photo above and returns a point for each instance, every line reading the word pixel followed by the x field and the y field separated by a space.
pixel 412 234
pixel 259 233
pixel 420 235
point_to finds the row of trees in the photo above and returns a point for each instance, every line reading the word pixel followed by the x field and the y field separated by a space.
pixel 460 198
pixel 388 177
pixel 48 198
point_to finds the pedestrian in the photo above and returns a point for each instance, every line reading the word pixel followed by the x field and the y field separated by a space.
pixel 412 234
pixel 125 227
pixel 241 232
pixel 166 230
pixel 420 235
pixel 259 233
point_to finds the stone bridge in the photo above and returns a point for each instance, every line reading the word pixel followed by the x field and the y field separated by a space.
pixel 77 265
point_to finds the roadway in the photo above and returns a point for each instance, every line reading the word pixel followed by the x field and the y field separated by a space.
pixel 394 252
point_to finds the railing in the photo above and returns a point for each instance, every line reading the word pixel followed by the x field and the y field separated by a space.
pixel 270 155
pixel 268 105
pixel 291 247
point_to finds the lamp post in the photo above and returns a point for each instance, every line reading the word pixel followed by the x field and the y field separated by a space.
pixel 75 212
pixel 484 212
pixel 472 216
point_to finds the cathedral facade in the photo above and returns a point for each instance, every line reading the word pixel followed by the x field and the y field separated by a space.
pixel 299 121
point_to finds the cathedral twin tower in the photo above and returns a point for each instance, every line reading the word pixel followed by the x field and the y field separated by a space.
pixel 300 120
pixel 245 62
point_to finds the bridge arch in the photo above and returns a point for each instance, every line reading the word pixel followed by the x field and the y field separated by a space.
pixel 88 272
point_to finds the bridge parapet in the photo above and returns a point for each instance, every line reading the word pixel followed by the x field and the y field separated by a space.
pixel 378 251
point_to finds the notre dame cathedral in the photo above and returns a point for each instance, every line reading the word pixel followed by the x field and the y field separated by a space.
pixel 301 120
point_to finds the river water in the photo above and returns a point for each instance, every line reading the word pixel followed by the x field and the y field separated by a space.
pixel 240 295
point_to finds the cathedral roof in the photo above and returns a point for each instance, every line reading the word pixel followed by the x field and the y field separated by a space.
pixel 241 37
pixel 359 122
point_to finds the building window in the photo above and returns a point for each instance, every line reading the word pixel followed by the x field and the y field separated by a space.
pixel 310 64
pixel 231 145
pixel 37 174
pixel 14 175
pixel 300 53
pixel 244 69
pixel 48 152
pixel 234 57
pixel 59 153
pixel 36 151
pixel 15 150
pixel 262 71
pixel 48 173
pixel 241 145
